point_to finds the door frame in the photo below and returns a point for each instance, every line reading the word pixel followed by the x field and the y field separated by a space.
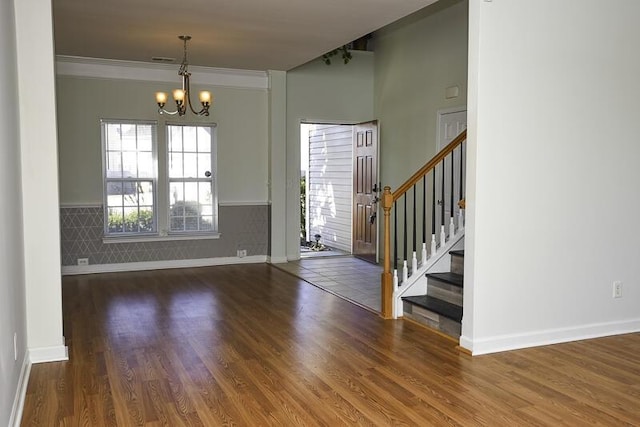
pixel 441 112
pixel 344 123
pixel 340 224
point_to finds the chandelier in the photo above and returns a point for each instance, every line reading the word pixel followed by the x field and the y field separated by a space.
pixel 183 96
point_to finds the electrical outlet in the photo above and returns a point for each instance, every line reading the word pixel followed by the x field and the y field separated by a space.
pixel 83 261
pixel 617 289
pixel 15 346
pixel 242 253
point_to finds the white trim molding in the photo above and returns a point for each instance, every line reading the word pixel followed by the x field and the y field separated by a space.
pixel 240 203
pixel 548 337
pixel 76 66
pixel 71 270
pixel 159 238
pixel 223 203
pixel 278 260
pixel 15 418
pixel 56 353
pixel 80 205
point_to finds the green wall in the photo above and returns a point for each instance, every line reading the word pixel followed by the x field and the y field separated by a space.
pixel 241 116
pixel 242 171
pixel 416 59
pixel 316 92
pixel 402 85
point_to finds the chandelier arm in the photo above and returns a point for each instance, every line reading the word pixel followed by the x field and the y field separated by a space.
pixel 187 83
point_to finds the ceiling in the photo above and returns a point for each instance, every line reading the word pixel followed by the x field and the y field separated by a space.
pixel 242 34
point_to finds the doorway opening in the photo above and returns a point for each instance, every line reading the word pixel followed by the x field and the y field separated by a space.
pixel 339 190
pixel 326 186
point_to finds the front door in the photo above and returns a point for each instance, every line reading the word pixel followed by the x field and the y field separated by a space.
pixel 365 191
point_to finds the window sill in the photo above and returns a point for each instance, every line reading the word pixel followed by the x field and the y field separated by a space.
pixel 159 238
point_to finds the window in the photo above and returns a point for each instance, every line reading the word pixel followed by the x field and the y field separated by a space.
pixel 135 165
pixel 192 196
pixel 129 164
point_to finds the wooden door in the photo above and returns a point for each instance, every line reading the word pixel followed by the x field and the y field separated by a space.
pixel 365 191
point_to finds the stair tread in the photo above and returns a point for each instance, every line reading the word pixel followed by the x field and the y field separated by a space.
pixel 451 278
pixel 457 253
pixel 436 305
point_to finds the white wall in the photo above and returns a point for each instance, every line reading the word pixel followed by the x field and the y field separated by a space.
pixel 317 93
pixel 553 172
pixel 39 164
pixel 12 283
pixel 416 59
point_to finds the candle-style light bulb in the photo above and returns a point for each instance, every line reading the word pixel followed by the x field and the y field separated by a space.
pixel 178 95
pixel 161 98
pixel 205 97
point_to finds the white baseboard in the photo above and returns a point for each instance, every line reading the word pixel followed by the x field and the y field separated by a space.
pixel 277 260
pixel 69 270
pixel 547 337
pixel 466 343
pixel 21 391
pixel 55 353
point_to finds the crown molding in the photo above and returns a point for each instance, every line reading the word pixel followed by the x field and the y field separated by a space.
pixel 76 66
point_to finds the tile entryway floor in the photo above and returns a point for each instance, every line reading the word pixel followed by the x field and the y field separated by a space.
pixel 345 276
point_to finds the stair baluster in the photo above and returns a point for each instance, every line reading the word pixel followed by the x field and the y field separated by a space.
pixel 433 214
pixel 452 227
pixel 394 282
pixel 424 220
pixel 414 259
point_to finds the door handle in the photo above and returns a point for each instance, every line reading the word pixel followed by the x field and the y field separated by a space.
pixel 372 218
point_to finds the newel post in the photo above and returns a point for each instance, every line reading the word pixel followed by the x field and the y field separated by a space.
pixel 387 277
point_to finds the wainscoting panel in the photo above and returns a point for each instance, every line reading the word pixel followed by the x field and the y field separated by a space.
pixel 241 227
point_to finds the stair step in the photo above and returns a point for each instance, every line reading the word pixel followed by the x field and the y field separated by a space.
pixel 438 306
pixel 449 278
pixel 457 261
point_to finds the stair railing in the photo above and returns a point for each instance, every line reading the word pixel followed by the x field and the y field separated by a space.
pixel 417 204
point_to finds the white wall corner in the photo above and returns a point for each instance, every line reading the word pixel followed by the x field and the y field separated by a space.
pixel 466 343
pixel 56 353
pixel 277 260
pixel 21 391
pixel 278 161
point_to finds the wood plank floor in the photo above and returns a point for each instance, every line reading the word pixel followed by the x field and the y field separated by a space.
pixel 252 345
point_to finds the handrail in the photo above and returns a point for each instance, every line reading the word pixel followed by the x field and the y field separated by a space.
pixel 388 198
pixel 430 165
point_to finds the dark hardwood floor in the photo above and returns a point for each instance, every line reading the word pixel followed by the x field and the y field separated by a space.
pixel 252 345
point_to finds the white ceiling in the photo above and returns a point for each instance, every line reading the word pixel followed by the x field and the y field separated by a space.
pixel 243 34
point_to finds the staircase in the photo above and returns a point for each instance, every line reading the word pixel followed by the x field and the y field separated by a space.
pixel 441 307
pixel 423 233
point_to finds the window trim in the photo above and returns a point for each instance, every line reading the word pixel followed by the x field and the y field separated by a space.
pixel 105 180
pixel 185 234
